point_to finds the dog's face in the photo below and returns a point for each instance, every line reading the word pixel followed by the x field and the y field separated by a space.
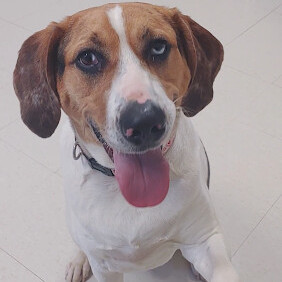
pixel 119 68
pixel 108 64
pixel 123 70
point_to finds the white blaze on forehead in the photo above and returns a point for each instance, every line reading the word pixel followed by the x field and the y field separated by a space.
pixel 133 80
pixel 116 20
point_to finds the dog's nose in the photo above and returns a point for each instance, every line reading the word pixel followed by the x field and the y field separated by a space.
pixel 142 124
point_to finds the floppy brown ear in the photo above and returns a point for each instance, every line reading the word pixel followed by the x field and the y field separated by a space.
pixel 204 55
pixel 35 81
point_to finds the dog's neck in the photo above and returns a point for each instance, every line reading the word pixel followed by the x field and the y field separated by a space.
pixel 92 150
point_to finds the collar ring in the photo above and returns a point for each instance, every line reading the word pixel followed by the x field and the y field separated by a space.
pixel 75 154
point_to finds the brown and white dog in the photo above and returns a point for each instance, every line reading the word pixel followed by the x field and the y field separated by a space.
pixel 128 76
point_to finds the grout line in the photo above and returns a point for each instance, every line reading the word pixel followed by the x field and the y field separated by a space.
pixel 38 162
pixel 251 26
pixel 50 170
pixel 240 71
pixel 58 172
pixel 16 25
pixel 253 76
pixel 19 151
pixel 276 85
pixel 258 130
pixel 15 21
pixel 21 264
pixel 7 124
pixel 274 81
pixel 252 231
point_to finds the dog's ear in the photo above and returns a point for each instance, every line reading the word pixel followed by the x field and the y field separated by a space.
pixel 204 55
pixel 35 81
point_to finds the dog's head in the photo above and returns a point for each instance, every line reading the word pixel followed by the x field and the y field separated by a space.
pixel 121 69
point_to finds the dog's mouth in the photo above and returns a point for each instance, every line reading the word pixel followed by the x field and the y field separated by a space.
pixel 143 178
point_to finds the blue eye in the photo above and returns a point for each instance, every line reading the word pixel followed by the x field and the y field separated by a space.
pixel 158 50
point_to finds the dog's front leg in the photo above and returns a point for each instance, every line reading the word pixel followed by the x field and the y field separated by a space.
pixel 78 270
pixel 211 260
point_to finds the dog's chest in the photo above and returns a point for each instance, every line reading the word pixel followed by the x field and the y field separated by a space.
pixel 122 243
pixel 102 213
pixel 120 237
pixel 104 225
pixel 132 256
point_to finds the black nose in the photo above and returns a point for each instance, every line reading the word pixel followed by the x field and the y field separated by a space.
pixel 142 124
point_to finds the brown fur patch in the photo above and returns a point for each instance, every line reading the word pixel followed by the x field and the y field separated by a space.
pixel 204 55
pixel 151 22
pixel 195 57
pixel 34 81
pixel 85 96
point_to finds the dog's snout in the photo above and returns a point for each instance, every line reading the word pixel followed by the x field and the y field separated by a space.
pixel 142 124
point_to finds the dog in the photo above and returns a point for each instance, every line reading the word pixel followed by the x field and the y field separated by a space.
pixel 136 175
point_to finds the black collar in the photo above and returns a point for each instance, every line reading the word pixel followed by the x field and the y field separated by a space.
pixel 91 161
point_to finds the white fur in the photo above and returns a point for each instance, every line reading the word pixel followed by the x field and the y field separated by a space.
pixel 117 237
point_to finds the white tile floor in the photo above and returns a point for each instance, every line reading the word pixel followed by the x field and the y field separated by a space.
pixel 241 129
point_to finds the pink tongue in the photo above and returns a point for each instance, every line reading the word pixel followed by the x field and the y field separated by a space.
pixel 143 179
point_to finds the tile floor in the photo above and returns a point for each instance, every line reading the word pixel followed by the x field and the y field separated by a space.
pixel 241 129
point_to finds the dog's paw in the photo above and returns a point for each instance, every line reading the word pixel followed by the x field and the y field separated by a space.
pixel 78 270
pixel 196 273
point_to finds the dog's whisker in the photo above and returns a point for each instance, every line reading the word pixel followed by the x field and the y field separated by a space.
pixel 177 99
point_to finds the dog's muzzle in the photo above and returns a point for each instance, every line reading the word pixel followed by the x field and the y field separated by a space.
pixel 142 125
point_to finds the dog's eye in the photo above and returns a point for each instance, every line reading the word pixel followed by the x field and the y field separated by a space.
pixel 159 50
pixel 87 58
pixel 89 61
